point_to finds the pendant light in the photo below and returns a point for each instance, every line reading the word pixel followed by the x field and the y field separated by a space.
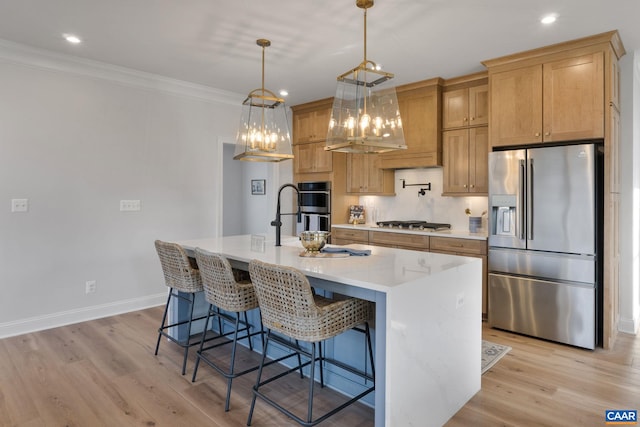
pixel 365 117
pixel 264 134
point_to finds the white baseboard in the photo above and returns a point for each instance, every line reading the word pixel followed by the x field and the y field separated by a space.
pixel 54 320
pixel 629 326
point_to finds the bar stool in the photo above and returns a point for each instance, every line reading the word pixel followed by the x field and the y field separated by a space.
pixel 182 277
pixel 224 291
pixel 290 308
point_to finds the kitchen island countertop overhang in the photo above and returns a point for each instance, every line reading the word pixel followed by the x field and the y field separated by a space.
pixel 428 317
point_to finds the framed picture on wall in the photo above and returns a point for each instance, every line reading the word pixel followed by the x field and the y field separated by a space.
pixel 258 186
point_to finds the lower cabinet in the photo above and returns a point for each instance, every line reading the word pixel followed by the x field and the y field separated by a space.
pixel 416 242
pixel 345 236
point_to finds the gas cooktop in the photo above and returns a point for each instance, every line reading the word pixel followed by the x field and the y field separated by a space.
pixel 414 225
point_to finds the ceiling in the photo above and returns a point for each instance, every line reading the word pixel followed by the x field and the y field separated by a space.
pixel 213 42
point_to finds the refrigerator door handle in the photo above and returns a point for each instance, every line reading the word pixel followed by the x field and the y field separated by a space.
pixel 521 214
pixel 530 207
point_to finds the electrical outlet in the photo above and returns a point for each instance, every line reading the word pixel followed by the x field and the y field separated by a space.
pixel 19 205
pixel 460 300
pixel 129 205
pixel 90 286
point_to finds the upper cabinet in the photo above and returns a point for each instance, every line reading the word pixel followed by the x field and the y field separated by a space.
pixel 364 176
pixel 312 158
pixel 310 124
pixel 421 113
pixel 312 163
pixel 465 139
pixel 311 121
pixel 557 101
pixel 556 93
pixel 466 106
pixel 466 154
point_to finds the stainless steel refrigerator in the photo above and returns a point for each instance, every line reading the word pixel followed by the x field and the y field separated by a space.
pixel 545 239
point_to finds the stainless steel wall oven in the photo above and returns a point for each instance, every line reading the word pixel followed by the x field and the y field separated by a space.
pixel 315 205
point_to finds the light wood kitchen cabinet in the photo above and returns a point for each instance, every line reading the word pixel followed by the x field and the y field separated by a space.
pixel 421 112
pixel 312 163
pixel 364 175
pixel 465 247
pixel 560 100
pixel 311 121
pixel 312 158
pixel 416 242
pixel 310 124
pixel 465 161
pixel 465 107
pixel 344 236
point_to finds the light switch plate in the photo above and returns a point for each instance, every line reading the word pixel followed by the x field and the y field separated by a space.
pixel 129 205
pixel 19 205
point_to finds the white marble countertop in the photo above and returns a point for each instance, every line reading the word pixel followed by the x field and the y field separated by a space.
pixel 383 270
pixel 460 234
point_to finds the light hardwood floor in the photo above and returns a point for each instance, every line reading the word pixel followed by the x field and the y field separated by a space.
pixel 104 373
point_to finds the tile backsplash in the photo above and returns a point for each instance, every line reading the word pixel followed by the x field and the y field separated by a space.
pixel 408 204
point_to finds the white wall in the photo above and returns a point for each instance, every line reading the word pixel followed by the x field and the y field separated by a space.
pixel 76 137
pixel 432 207
pixel 630 194
pixel 233 184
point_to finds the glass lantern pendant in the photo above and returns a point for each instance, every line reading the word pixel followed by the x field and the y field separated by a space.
pixel 365 117
pixel 263 135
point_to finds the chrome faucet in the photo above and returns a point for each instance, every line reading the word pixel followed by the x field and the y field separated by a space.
pixel 278 222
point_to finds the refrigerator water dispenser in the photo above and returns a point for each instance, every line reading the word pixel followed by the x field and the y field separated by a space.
pixel 503 214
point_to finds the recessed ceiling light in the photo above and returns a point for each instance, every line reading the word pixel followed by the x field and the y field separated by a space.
pixel 549 19
pixel 71 38
pixel 284 93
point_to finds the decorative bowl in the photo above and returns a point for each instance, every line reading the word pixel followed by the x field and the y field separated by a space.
pixel 313 241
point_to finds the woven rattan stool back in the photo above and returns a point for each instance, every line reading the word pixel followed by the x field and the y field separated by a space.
pixel 178 271
pixel 220 285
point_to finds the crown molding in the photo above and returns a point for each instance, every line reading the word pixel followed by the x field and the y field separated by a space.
pixel 40 58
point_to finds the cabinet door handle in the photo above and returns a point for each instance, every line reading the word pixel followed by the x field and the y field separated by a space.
pixel 464 120
pixel 464 186
pixel 472 186
pixel 547 133
pixel 473 118
pixel 537 133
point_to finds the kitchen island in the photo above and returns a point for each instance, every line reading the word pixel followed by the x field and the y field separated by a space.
pixel 427 325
